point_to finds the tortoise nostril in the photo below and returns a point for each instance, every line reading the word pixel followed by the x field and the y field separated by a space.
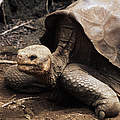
pixel 32 57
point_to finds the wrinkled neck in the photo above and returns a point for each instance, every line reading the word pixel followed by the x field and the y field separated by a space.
pixel 58 64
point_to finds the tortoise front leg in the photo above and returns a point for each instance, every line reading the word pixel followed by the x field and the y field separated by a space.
pixel 89 90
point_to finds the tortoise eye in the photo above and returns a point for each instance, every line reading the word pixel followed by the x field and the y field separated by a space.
pixel 32 57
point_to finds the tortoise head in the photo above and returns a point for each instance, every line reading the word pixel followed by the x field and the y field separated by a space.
pixel 34 59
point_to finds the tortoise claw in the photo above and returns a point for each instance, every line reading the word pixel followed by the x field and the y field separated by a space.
pixel 100 114
pixel 105 110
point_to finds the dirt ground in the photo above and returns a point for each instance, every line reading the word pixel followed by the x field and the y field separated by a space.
pixel 16 106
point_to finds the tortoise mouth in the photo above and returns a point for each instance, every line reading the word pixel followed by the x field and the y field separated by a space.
pixel 31 68
pixel 26 65
pixel 35 69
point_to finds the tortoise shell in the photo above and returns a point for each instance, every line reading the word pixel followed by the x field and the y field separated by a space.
pixel 100 20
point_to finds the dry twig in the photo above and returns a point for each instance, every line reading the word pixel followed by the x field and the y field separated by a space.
pixel 1 1
pixel 15 27
pixel 7 62
pixel 3 11
pixel 30 27
pixel 19 101
pixel 4 15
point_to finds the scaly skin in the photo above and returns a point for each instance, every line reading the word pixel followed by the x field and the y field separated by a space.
pixel 89 90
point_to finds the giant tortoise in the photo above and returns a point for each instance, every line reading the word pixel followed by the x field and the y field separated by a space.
pixel 80 51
